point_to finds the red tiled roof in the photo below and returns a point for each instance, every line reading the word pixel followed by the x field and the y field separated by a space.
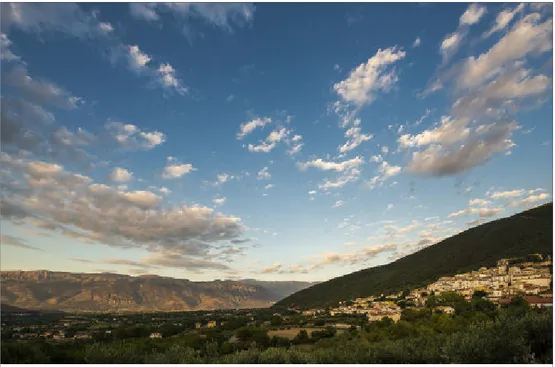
pixel 538 300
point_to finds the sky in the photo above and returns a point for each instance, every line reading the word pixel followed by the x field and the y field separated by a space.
pixel 270 141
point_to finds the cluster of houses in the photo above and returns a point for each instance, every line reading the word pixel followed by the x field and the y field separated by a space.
pixel 501 283
pixel 504 280
pixel 374 310
pixel 209 324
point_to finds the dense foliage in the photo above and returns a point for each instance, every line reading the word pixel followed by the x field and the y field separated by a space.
pixel 476 333
pixel 517 236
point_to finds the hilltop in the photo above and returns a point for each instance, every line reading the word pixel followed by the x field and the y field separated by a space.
pixel 73 292
pixel 528 232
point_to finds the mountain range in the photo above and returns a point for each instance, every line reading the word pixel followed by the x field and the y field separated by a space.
pixel 105 292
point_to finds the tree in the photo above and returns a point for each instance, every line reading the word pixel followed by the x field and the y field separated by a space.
pixel 280 342
pixel 483 305
pixel 479 294
pixel 302 337
pixel 276 320
pixel 226 348
pixel 319 322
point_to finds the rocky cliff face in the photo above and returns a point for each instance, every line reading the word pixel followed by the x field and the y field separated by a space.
pixel 46 290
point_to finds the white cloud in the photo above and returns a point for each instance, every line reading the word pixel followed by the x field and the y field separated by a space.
pixel 169 80
pixel 268 186
pixel 361 256
pixel 347 176
pixel 68 203
pixel 390 228
pixel 219 201
pixel 503 19
pixel 40 91
pixel 248 127
pixel 473 14
pixel 131 137
pixel 390 206
pixel 7 240
pixel 277 135
pixel 327 166
pixel 449 131
pixel 5 53
pixel 67 18
pixel 264 147
pixel 43 169
pixel 264 174
pixel 422 118
pixel 163 76
pixel 367 79
pixel 143 199
pixel 532 199
pixel 451 42
pixel 385 171
pixel 176 170
pixel 179 261
pixel 105 27
pixel 355 137
pixel 490 90
pixel 338 203
pixel 272 140
pixel 222 15
pixel 528 36
pixel 223 178
pixel 164 190
pixel 479 202
pixel 416 42
pixel 506 194
pixel 120 175
pixel 296 141
pixel 144 11
pixel 482 212
pixel 271 269
pixel 295 149
pixel 435 161
pixel 137 59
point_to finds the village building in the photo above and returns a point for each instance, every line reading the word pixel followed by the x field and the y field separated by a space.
pixel 211 324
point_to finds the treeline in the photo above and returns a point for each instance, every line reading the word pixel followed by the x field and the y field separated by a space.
pixel 475 333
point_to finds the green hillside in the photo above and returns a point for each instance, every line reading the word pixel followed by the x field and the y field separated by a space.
pixel 522 234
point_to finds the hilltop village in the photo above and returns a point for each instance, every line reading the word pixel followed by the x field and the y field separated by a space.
pixel 530 277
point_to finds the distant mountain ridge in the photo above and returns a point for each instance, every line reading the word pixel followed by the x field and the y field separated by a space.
pixel 522 234
pixel 107 292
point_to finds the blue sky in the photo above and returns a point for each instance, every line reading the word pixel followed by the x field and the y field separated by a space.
pixel 269 141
